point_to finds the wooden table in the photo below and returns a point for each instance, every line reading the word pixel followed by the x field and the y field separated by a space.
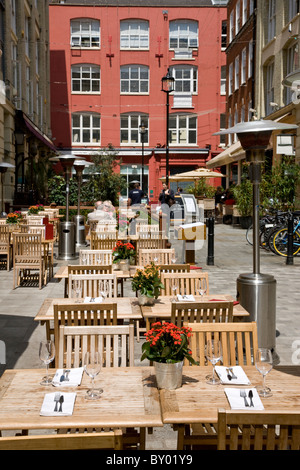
pixel 161 310
pixel 62 273
pixel 128 308
pixel 130 399
pixel 198 402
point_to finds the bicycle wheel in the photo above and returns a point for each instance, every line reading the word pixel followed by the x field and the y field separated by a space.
pixel 280 242
pixel 249 234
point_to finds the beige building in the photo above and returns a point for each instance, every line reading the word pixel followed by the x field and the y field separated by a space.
pixel 25 133
pixel 276 55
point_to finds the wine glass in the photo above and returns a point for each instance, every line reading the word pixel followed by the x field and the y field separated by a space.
pixel 213 352
pixel 92 367
pixel 173 260
pixel 77 287
pixel 202 287
pixel 46 355
pixel 175 284
pixel 83 259
pixel 264 364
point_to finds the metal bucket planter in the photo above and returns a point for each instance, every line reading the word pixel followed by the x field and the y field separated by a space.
pixel 168 376
pixel 124 264
pixel 145 300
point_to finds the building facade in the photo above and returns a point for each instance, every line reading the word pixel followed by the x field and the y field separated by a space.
pixel 25 132
pixel 107 62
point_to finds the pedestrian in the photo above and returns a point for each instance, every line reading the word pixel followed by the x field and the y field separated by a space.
pixel 165 194
pixel 135 195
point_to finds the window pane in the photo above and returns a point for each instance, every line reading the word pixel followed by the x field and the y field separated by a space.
pixel 134 86
pixel 86 135
pixel 134 136
pixel 76 120
pixel 86 85
pixel 192 137
pixel 144 87
pixel 86 121
pixel 134 122
pixel 124 136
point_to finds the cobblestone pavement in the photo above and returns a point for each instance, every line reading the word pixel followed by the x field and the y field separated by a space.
pixel 232 256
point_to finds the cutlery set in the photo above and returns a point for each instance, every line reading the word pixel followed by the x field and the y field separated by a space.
pixel 65 376
pixel 230 373
pixel 250 396
pixel 59 399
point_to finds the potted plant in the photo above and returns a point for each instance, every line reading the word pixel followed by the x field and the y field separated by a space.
pixel 33 210
pixel 12 218
pixel 122 253
pixel 167 345
pixel 243 197
pixel 146 282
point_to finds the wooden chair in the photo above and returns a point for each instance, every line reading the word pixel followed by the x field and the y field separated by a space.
pixel 103 240
pixel 5 246
pixel 264 430
pixel 78 441
pixel 175 268
pixel 154 241
pixel 196 312
pixel 35 219
pixel 239 341
pixel 115 344
pixel 93 257
pixel 157 256
pixel 104 313
pixel 92 284
pixel 187 283
pixel 89 269
pixel 147 228
pixel 27 256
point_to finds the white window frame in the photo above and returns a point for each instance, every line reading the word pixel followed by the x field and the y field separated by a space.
pixel 133 121
pixel 292 61
pixel 189 77
pixel 89 70
pixel 244 66
pixel 185 33
pixel 237 17
pixel 250 59
pixel 182 126
pixel 224 35
pixel 132 32
pixel 271 20
pixel 269 88
pixel 85 38
pixel 230 79
pixel 231 26
pixel 135 72
pixel 93 130
pixel 244 13
pixel 13 16
pixel 293 9
pixel 223 80
pixel 237 72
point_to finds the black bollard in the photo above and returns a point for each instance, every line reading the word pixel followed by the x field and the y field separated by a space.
pixel 210 241
pixel 290 239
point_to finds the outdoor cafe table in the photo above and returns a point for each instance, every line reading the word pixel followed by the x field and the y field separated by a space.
pixel 198 402
pixel 161 310
pixel 130 399
pixel 62 273
pixel 128 308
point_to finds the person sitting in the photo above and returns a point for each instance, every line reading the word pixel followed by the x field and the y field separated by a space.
pixel 99 213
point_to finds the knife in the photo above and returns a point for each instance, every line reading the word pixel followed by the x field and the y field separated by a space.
pixel 250 395
pixel 228 374
pixel 61 400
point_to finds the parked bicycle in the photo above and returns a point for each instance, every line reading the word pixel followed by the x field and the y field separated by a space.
pixel 267 224
pixel 280 240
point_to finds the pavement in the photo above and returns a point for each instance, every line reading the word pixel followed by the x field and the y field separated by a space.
pixel 20 334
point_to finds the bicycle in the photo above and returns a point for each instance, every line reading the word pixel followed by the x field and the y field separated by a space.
pixel 267 224
pixel 280 240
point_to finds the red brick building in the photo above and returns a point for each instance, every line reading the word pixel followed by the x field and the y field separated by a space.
pixel 107 62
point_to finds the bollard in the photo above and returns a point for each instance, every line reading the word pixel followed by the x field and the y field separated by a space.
pixel 210 241
pixel 290 239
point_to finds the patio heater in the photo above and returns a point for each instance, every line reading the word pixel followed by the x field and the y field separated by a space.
pixel 3 169
pixel 79 220
pixel 256 292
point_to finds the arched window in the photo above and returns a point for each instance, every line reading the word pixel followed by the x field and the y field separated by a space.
pixel 134 34
pixel 130 128
pixel 134 79
pixel 85 33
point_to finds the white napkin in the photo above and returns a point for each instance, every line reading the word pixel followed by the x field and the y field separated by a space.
pixel 186 298
pixel 49 404
pixel 74 376
pixel 238 403
pixel 94 300
pixel 238 371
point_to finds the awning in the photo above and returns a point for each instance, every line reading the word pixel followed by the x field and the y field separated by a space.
pixel 232 154
pixel 36 131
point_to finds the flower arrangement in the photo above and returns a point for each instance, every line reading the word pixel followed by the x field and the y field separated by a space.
pixel 167 343
pixel 123 251
pixel 12 218
pixel 147 281
pixel 35 209
pixel 122 222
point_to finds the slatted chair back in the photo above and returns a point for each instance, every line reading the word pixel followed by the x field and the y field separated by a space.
pixel 153 240
pixel 106 226
pixel 37 229
pixel 196 312
pixel 89 269
pixel 103 240
pixel 174 268
pixel 5 246
pixel 147 228
pixel 96 257
pixel 186 283
pixel 263 430
pixel 35 219
pixel 92 285
pixel 79 314
pixel 239 341
pixel 115 344
pixel 158 256
pixel 28 254
pixel 69 441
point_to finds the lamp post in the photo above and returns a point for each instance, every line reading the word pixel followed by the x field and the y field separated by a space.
pixel 167 85
pixel 255 291
pixel 78 219
pixel 3 169
pixel 142 131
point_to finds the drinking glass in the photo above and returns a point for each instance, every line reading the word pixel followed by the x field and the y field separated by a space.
pixel 202 287
pixel 264 364
pixel 173 260
pixel 77 287
pixel 46 355
pixel 213 352
pixel 83 259
pixel 175 284
pixel 92 367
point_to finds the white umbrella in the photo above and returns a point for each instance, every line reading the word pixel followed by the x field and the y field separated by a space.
pixel 194 175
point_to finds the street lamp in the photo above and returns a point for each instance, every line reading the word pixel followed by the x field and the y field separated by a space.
pixel 142 131
pixel 167 85
pixel 255 291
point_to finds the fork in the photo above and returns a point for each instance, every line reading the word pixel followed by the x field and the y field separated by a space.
pixel 243 395
pixel 56 399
